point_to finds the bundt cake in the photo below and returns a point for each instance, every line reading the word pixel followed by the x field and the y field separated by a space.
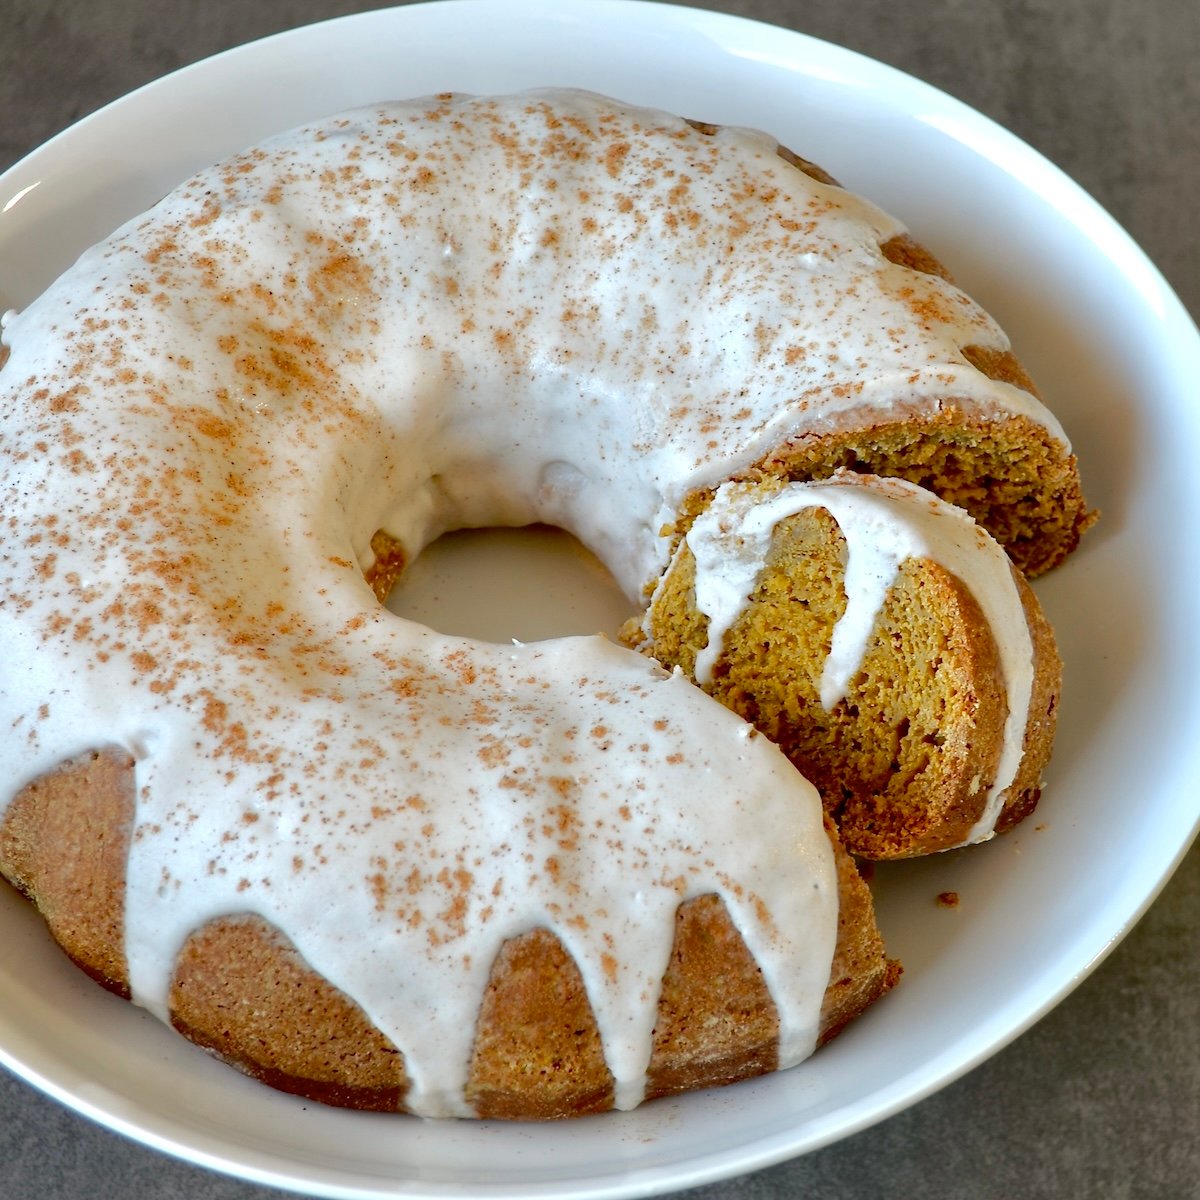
pixel 389 868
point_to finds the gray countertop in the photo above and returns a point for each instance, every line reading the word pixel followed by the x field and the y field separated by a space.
pixel 1102 1097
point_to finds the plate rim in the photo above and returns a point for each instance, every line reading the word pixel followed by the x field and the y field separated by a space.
pixel 661 1178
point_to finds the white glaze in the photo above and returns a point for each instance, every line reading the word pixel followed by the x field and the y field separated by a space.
pixel 429 315
pixel 885 522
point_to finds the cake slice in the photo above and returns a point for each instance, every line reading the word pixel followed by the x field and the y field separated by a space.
pixel 923 708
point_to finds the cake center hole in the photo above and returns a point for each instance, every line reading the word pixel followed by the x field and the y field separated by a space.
pixel 529 584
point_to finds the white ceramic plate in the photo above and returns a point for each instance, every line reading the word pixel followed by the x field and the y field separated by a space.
pixel 1117 357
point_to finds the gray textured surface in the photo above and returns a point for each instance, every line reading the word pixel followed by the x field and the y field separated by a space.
pixel 1102 1097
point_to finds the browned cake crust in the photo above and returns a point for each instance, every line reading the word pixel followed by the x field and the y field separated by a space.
pixel 904 762
pixel 241 990
pixel 63 844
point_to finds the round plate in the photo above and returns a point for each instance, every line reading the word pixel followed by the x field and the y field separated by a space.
pixel 1115 355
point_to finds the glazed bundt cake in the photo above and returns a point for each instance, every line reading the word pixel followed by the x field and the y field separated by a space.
pixel 389 868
